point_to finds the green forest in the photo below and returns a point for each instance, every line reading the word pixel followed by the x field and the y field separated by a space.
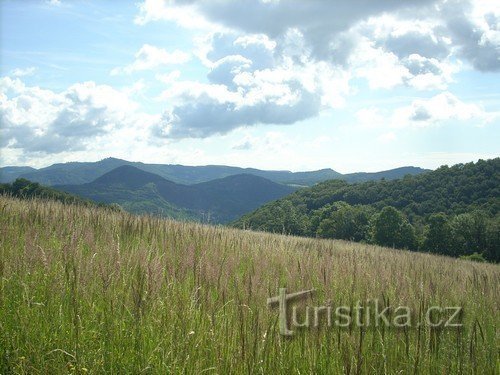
pixel 451 211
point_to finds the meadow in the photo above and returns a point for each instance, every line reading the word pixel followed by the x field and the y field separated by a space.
pixel 90 290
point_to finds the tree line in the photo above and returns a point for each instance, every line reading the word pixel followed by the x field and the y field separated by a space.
pixel 451 211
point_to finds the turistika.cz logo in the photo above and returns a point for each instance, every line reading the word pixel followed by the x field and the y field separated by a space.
pixel 366 314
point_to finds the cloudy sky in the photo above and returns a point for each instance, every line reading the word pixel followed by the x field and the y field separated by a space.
pixel 355 85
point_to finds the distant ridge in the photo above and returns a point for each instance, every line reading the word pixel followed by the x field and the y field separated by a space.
pixel 390 174
pixel 221 200
pixel 74 173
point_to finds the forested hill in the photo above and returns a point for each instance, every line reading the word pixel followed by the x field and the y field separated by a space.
pixel 462 202
pixel 25 189
pixel 220 201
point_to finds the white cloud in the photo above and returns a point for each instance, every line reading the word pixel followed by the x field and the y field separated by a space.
pixel 297 59
pixel 168 78
pixel 424 112
pixel 43 121
pixel 381 69
pixel 429 73
pixel 150 57
pixel 227 68
pixel 186 16
pixel 249 86
pixel 438 109
pixel 202 110
pixel 19 72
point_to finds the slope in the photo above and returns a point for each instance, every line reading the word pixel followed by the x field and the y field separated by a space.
pixel 172 297
pixel 467 195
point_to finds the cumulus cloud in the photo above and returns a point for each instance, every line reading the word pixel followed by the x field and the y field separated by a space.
pixel 419 113
pixel 207 109
pixel 150 57
pixel 279 62
pixel 475 32
pixel 440 108
pixel 225 69
pixel 43 121
pixel 318 20
pixel 429 28
pixel 186 16
pixel 249 85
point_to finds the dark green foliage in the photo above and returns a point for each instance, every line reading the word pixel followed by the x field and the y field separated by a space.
pixel 438 234
pixel 392 229
pixel 452 211
pixel 468 233
pixel 493 240
pixel 343 221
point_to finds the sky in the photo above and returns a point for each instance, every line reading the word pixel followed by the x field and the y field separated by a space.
pixel 356 85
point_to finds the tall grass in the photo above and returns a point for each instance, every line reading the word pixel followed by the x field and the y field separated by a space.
pixel 89 290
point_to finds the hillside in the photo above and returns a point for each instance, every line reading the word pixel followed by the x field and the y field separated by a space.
pixel 25 189
pixel 220 200
pixel 75 173
pixel 93 291
pixel 10 174
pixel 462 200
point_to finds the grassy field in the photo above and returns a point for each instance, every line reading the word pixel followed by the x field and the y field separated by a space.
pixel 85 290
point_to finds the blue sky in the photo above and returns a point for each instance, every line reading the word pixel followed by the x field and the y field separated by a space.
pixel 297 85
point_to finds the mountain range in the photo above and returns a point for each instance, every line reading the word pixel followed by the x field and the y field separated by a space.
pixel 219 201
pixel 214 193
pixel 75 173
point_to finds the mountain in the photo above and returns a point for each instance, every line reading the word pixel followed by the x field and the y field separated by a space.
pixel 9 174
pixel 128 176
pixel 233 196
pixel 452 210
pixel 219 200
pixel 75 173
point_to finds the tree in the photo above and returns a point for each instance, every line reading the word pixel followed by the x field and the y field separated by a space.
pixel 345 222
pixel 493 240
pixel 437 234
pixel 391 228
pixel 469 233
pixel 20 185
